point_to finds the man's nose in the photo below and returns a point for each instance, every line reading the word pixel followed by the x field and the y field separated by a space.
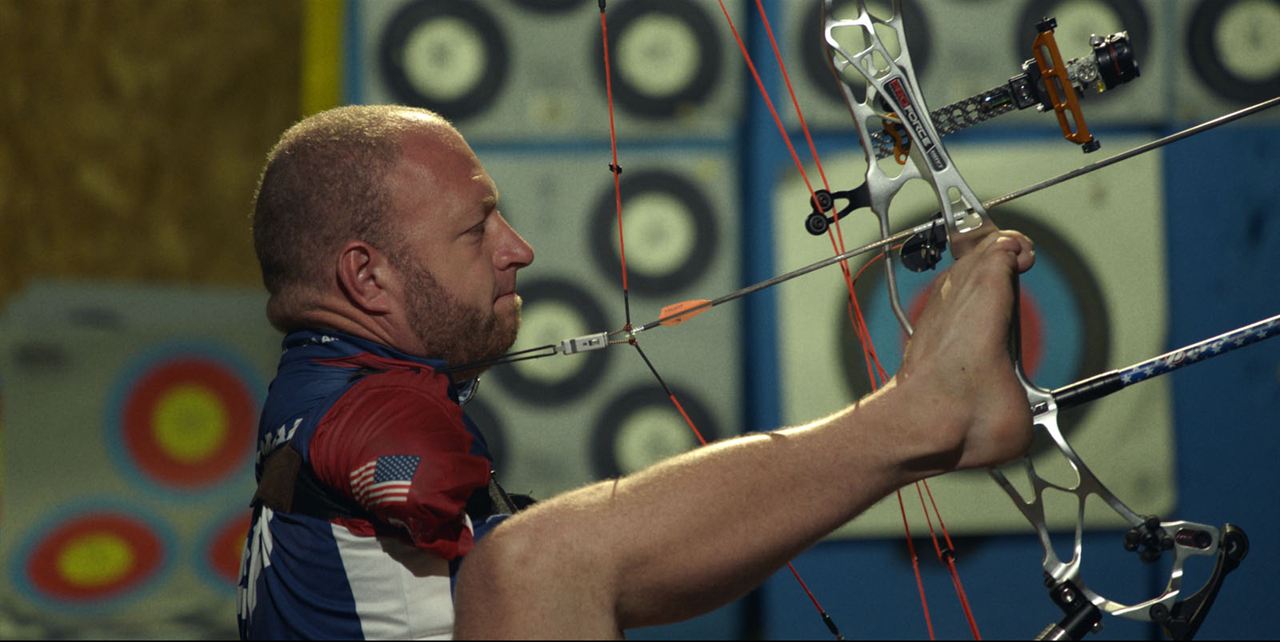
pixel 514 252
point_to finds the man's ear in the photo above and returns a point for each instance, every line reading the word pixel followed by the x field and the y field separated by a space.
pixel 365 274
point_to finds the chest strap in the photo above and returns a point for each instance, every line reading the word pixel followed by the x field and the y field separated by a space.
pixel 288 485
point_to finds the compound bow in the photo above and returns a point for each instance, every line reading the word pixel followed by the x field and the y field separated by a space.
pixel 891 117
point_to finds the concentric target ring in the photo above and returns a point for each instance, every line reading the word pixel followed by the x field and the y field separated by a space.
pixel 588 374
pixel 184 418
pixel 221 549
pixel 407 34
pixel 92 556
pixel 609 456
pixel 551 6
pixel 630 93
pixel 693 205
pixel 1208 62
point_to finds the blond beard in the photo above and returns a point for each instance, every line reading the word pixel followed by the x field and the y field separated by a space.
pixel 447 328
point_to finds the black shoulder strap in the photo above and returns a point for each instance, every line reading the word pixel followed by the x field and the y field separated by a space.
pixel 288 485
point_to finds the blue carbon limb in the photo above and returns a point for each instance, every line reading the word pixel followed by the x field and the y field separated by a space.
pixel 1108 382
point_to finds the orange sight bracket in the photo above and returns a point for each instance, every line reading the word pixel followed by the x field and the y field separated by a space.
pixel 1057 84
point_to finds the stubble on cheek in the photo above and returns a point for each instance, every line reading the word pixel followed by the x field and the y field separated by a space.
pixel 452 330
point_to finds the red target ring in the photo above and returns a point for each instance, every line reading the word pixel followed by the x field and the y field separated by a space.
pixel 95 556
pixel 226 547
pixel 1032 327
pixel 188 422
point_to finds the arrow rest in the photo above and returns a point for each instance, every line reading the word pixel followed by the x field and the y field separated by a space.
pixel 924 250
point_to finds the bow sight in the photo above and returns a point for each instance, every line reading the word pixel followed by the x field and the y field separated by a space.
pixel 1046 83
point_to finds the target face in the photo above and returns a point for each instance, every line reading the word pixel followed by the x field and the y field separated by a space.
pixel 1065 324
pixel 93 557
pixel 1234 48
pixel 666 57
pixel 185 421
pixel 450 57
pixel 671 231
pixel 223 549
pixel 554 310
pixel 641 427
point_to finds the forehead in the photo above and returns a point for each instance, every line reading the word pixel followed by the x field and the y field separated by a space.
pixel 438 168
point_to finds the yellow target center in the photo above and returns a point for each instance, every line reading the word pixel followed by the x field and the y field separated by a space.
pixel 97 559
pixel 189 423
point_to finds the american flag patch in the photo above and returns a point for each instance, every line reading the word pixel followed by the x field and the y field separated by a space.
pixel 385 480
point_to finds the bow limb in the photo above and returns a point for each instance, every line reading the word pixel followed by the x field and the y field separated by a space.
pixel 892 78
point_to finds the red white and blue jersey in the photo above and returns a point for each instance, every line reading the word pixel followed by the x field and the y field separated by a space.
pixel 384 430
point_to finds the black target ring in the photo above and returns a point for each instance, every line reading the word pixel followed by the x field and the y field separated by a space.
pixel 705 79
pixel 401 28
pixel 694 203
pixel 816 64
pixel 588 376
pixel 1207 62
pixel 609 424
pixel 1081 282
pixel 550 6
pixel 1133 18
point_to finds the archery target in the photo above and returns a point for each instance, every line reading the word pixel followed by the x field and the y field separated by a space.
pixel 448 57
pixel 637 429
pixel 567 420
pixel 1229 56
pixel 958 50
pixel 1095 301
pixel 557 309
pixel 94 557
pixel 666 54
pixel 220 552
pixel 186 419
pixel 670 227
pixel 148 396
pixel 533 69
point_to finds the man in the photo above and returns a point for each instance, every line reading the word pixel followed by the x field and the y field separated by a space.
pixel 387 260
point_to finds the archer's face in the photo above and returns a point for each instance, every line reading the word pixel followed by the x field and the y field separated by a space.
pixel 461 256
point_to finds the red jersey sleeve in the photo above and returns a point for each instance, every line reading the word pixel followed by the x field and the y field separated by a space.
pixel 397 445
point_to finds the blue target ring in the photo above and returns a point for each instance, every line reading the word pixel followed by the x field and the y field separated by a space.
pixel 126 388
pixel 31 558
